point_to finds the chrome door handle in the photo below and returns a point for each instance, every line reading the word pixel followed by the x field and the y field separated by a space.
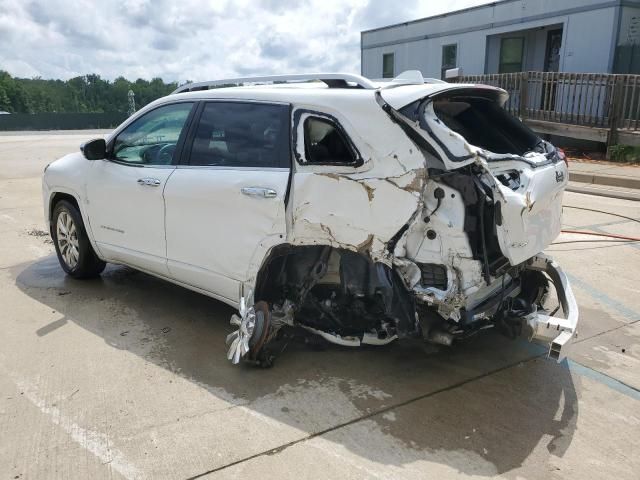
pixel 149 182
pixel 259 192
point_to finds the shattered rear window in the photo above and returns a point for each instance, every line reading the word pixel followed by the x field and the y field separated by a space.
pixel 485 124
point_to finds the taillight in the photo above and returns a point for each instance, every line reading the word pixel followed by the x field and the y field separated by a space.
pixel 562 156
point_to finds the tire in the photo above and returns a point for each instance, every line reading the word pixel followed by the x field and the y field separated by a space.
pixel 75 254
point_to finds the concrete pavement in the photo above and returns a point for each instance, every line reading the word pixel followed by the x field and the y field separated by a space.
pixel 609 179
pixel 126 376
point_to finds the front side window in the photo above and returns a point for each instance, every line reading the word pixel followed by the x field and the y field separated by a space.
pixel 235 134
pixel 324 143
pixel 449 58
pixel 387 65
pixel 152 138
pixel 511 53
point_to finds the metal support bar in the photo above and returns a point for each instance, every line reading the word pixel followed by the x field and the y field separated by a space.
pixel 555 332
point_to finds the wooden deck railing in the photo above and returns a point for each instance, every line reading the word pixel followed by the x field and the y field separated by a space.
pixel 593 106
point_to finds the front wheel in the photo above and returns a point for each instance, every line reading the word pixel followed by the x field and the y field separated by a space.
pixel 75 254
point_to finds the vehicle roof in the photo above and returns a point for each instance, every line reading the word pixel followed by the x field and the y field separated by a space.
pixel 318 93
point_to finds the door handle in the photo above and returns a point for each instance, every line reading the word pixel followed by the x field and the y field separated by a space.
pixel 259 192
pixel 149 182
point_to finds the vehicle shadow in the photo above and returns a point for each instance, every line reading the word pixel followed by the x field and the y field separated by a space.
pixel 476 408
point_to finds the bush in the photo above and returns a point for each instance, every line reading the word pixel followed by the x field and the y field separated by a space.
pixel 624 153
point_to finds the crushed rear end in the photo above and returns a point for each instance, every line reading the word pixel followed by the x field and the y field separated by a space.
pixel 493 203
pixel 440 238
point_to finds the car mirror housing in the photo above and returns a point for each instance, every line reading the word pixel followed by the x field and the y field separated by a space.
pixel 95 149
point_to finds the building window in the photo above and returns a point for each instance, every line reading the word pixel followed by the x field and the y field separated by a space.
pixel 387 65
pixel 511 54
pixel 449 58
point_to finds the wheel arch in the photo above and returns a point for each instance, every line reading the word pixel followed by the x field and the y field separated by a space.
pixel 56 196
pixel 291 266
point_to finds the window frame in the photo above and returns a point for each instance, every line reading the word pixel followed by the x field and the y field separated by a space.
pixel 393 64
pixel 443 69
pixel 180 144
pixel 185 160
pixel 522 54
pixel 298 122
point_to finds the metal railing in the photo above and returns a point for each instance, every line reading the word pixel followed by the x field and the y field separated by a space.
pixel 600 101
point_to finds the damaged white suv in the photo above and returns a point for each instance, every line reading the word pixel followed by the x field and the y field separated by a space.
pixel 359 211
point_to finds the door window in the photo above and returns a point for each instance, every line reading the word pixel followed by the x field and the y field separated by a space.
pixel 552 57
pixel 152 138
pixel 511 53
pixel 449 58
pixel 387 65
pixel 236 134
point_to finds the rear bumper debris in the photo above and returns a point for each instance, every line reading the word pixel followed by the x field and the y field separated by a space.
pixel 554 332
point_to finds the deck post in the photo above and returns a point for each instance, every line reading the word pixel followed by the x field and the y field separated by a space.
pixel 524 87
pixel 617 97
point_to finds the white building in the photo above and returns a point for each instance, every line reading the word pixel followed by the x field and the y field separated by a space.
pixel 591 36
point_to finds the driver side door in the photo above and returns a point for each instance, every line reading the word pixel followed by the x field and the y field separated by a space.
pixel 124 192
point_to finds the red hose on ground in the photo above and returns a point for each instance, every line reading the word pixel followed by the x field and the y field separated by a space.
pixel 622 237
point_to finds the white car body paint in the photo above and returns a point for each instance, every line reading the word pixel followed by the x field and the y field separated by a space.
pixel 215 232
pixel 196 227
pixel 111 190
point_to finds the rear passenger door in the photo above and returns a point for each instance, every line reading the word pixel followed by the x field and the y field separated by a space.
pixel 225 205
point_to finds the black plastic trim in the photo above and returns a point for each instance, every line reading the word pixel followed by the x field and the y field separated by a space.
pixel 195 120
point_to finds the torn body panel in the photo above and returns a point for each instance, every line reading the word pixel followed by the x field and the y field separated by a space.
pixel 425 234
pixel 360 207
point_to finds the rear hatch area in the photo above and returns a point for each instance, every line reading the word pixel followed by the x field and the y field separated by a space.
pixel 523 174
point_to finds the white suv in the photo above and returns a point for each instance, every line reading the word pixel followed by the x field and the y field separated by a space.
pixel 359 211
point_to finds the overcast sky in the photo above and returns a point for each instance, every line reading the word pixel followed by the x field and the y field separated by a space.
pixel 196 40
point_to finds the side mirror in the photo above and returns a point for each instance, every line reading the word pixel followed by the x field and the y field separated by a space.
pixel 95 149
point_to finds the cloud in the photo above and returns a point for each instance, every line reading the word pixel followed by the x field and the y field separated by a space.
pixel 191 39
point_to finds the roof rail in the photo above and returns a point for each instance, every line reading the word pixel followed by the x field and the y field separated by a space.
pixel 333 80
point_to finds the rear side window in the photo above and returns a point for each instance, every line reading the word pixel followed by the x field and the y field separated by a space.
pixel 325 143
pixel 235 134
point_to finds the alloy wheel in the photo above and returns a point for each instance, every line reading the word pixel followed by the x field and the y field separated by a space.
pixel 67 235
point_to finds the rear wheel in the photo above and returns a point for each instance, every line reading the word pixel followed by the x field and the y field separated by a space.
pixel 75 254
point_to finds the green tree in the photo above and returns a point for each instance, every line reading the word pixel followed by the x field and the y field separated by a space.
pixel 87 93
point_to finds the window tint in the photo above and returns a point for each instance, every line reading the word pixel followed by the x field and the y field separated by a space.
pixel 242 135
pixel 324 143
pixel 152 138
pixel 511 51
pixel 449 58
pixel 387 65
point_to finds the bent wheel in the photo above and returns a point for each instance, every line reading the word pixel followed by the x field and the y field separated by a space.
pixel 254 324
